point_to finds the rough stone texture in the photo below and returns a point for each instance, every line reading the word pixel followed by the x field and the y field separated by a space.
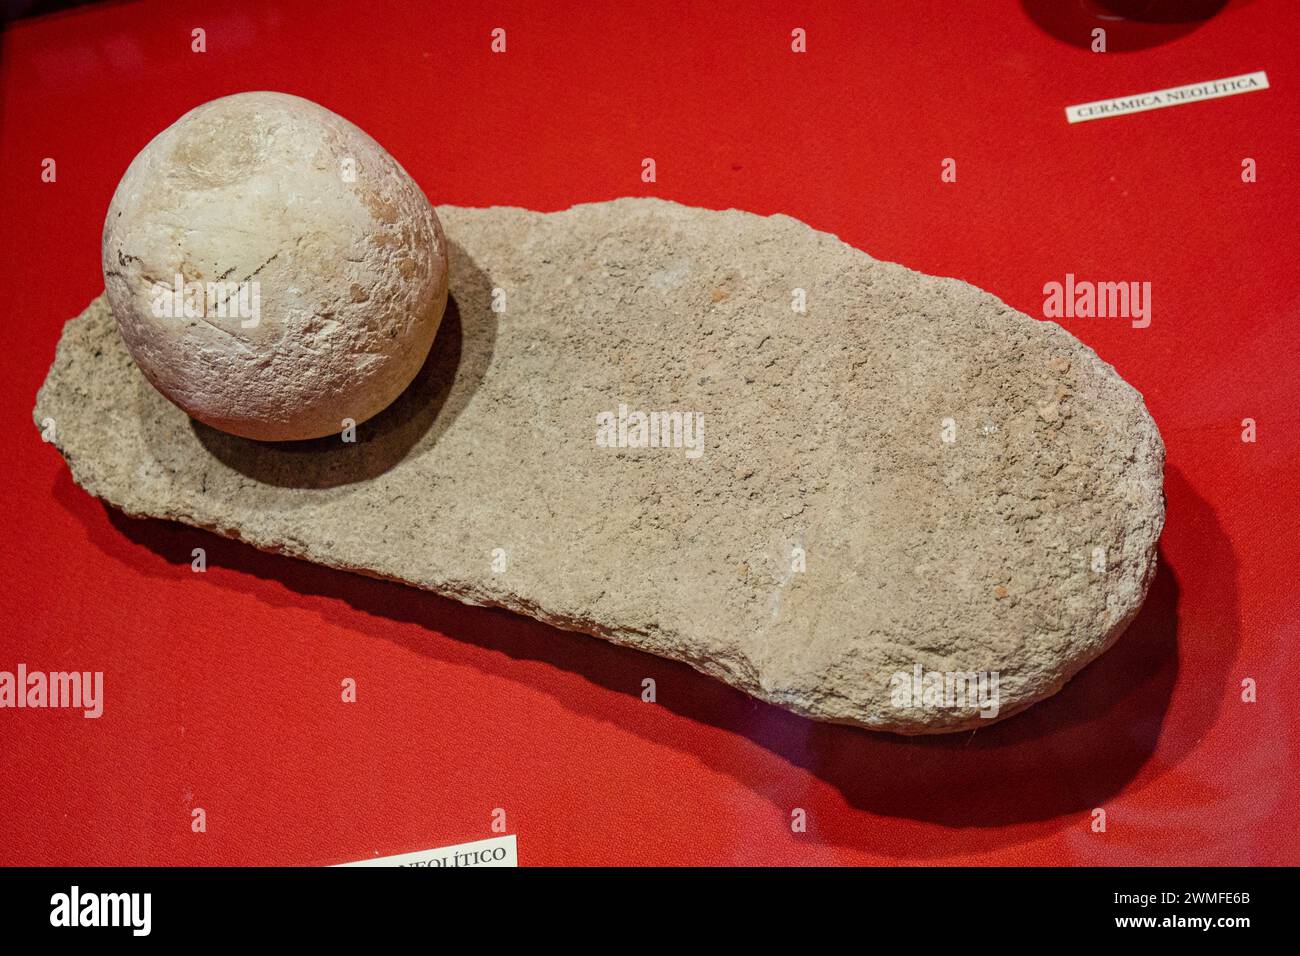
pixel 821 430
pixel 348 256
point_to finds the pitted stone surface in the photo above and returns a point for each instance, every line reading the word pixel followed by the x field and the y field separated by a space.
pixel 823 437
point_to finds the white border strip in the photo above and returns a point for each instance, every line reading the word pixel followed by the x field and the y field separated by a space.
pixel 1174 96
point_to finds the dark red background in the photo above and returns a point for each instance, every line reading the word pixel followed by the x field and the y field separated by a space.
pixel 223 689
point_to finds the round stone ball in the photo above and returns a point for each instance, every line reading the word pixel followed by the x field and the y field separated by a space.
pixel 274 272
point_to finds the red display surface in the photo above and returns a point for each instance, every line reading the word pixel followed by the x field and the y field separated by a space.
pixel 222 689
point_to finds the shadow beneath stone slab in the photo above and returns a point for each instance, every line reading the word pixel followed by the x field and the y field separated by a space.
pixel 1130 25
pixel 1031 775
pixel 456 364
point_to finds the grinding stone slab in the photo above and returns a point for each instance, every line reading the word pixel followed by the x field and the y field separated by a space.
pixel 908 477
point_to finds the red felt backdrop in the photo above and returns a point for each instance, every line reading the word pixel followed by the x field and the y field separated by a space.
pixel 223 689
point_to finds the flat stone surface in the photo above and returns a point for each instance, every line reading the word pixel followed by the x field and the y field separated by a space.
pixel 823 437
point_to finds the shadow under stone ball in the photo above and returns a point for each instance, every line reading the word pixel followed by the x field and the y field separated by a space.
pixel 273 271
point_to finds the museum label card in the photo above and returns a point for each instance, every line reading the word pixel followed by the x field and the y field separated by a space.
pixel 498 851
pixel 1175 96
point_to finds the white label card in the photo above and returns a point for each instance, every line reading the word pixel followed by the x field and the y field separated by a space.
pixel 498 851
pixel 1175 96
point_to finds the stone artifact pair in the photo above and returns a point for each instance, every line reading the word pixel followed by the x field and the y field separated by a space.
pixel 911 508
